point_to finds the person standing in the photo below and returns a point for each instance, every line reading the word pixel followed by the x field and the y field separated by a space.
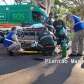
pixel 77 42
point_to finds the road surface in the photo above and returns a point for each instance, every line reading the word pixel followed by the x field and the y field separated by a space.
pixel 27 70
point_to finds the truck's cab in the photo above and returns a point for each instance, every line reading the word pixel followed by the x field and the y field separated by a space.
pixel 18 14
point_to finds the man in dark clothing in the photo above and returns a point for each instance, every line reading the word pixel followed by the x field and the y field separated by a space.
pixel 61 35
pixel 49 20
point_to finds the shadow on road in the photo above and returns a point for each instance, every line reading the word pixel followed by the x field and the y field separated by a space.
pixel 50 73
pixel 12 64
pixel 59 75
pixel 9 64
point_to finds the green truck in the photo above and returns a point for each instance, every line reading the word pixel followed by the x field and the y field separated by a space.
pixel 21 14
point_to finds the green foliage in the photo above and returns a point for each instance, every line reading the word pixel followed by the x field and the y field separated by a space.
pixel 57 2
pixel 74 10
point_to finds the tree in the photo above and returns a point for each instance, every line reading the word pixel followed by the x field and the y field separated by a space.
pixel 59 8
pixel 75 6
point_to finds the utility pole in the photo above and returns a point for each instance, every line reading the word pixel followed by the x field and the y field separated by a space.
pixel 48 4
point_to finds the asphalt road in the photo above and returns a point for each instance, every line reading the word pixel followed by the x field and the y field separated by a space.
pixel 24 69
